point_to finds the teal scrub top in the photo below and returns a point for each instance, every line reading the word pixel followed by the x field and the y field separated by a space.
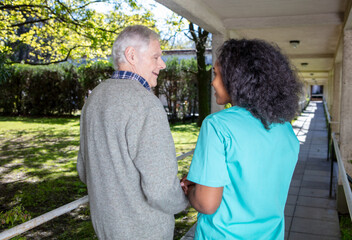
pixel 255 167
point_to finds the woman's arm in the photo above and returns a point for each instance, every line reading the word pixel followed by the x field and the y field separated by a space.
pixel 204 199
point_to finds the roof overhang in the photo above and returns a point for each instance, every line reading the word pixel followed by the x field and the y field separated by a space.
pixel 317 24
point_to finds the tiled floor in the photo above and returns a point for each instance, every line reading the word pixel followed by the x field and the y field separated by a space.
pixel 310 213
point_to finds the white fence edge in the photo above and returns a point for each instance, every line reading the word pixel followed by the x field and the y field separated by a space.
pixel 185 155
pixel 12 232
pixel 342 172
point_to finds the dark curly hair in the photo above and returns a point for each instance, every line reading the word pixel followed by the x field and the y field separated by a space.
pixel 261 79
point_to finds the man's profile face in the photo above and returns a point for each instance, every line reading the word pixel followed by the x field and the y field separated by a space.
pixel 150 63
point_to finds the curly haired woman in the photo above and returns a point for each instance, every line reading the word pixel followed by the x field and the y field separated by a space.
pixel 245 155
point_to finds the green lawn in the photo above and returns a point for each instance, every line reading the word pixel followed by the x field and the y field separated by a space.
pixel 345 227
pixel 38 174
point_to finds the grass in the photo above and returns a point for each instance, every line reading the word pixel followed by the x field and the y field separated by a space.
pixel 38 174
pixel 345 227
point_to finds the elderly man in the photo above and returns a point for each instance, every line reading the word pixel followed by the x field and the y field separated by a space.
pixel 127 154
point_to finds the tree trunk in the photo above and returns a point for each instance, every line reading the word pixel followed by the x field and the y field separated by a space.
pixel 203 78
pixel 203 86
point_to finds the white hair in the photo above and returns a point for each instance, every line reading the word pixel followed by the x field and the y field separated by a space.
pixel 136 36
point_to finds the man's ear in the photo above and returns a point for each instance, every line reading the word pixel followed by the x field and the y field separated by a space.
pixel 130 55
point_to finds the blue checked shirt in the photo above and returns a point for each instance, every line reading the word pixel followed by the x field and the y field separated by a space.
pixel 130 75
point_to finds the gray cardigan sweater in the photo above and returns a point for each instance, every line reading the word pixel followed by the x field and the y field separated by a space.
pixel 127 160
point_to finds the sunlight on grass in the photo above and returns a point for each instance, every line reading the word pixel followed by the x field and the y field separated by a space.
pixel 185 137
pixel 38 174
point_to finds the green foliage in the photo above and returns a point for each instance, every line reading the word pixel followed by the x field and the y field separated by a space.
pixel 178 84
pixel 4 72
pixel 81 230
pixel 14 216
pixel 39 155
pixel 345 227
pixel 45 195
pixel 175 26
pixel 41 90
pixel 92 74
pixel 184 221
pixel 49 90
pixel 185 138
pixel 49 31
pixel 9 90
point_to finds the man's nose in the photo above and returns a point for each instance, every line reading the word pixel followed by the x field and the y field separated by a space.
pixel 162 64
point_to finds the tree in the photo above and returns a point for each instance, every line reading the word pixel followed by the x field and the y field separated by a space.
pixel 200 38
pixel 53 31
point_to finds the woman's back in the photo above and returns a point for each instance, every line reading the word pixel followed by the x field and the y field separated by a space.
pixel 255 167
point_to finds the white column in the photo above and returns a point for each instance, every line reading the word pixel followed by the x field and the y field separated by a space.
pixel 345 137
pixel 336 103
pixel 307 90
pixel 346 103
pixel 330 85
pixel 326 90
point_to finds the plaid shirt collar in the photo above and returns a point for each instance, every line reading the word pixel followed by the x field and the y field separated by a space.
pixel 130 75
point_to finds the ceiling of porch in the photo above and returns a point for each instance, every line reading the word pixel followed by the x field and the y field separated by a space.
pixel 317 25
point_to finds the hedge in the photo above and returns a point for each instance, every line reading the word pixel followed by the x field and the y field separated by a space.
pixel 61 89
pixel 48 90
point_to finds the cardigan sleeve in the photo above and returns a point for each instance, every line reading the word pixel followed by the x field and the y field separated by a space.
pixel 157 164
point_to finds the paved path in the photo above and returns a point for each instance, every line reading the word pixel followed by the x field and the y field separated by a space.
pixel 309 214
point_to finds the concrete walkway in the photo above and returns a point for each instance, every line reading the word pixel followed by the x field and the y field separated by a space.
pixel 310 213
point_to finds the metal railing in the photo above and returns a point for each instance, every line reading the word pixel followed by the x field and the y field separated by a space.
pixel 35 222
pixel 333 145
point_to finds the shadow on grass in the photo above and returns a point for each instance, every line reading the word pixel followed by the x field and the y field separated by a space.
pixel 38 173
pixel 37 148
pixel 190 128
pixel 40 197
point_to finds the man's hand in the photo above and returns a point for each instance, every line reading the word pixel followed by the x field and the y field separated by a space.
pixel 185 184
